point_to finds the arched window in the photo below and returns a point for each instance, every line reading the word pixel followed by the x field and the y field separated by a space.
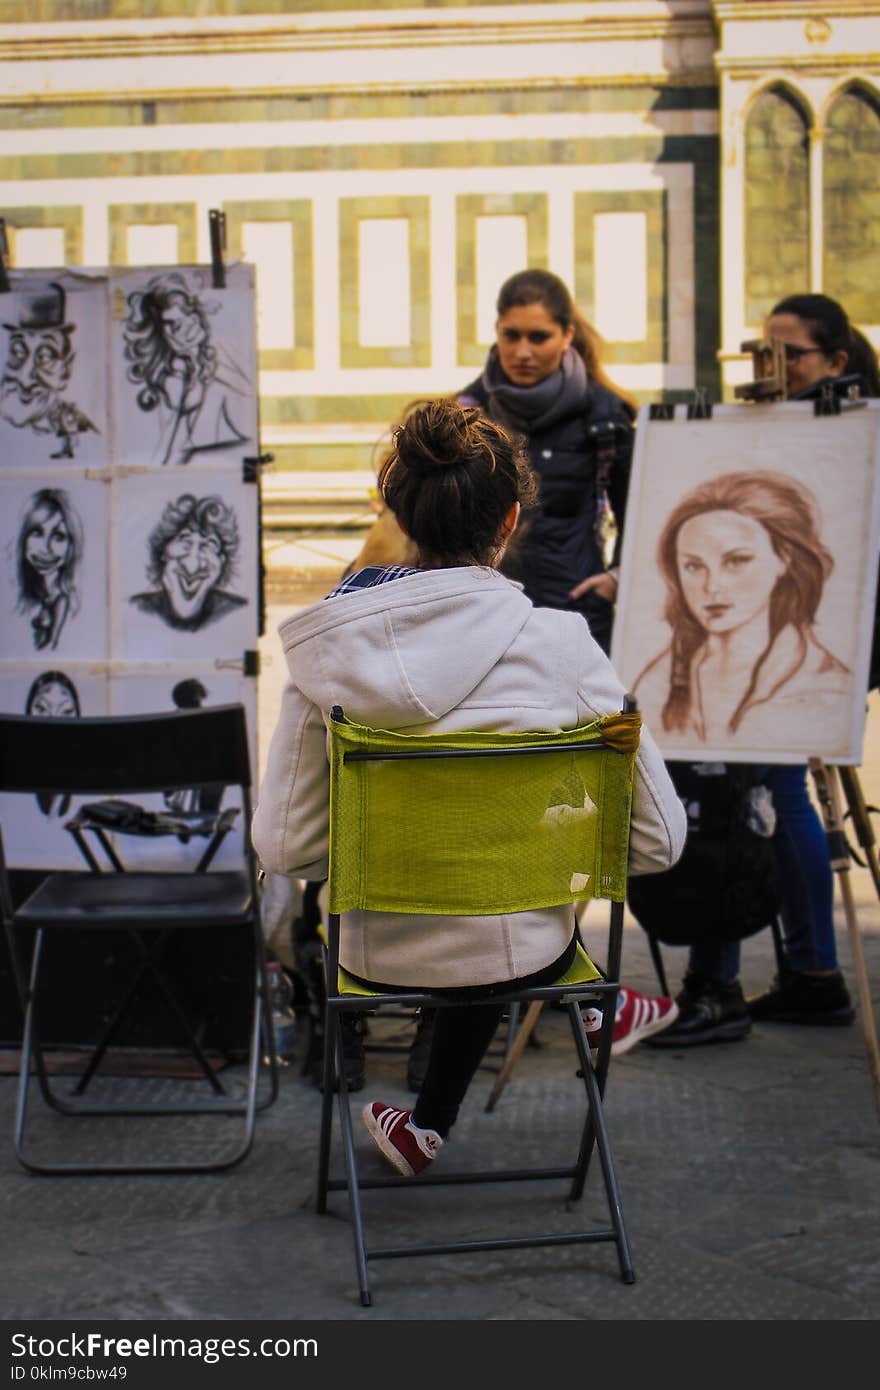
pixel 777 203
pixel 851 205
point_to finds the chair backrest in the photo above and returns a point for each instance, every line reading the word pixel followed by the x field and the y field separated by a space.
pixel 124 753
pixel 477 823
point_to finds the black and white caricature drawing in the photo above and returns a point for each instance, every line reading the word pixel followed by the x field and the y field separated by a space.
pixel 38 362
pixel 184 374
pixel 53 570
pixel 53 695
pixel 192 554
pixel 34 834
pixel 48 555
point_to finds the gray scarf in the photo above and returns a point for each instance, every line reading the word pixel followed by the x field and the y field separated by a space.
pixel 530 408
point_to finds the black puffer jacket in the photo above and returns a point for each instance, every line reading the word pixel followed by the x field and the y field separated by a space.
pixel 583 464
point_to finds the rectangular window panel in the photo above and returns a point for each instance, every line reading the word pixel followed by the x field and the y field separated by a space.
pixel 269 246
pixel 502 247
pixel 39 246
pixel 621 276
pixel 147 245
pixel 383 282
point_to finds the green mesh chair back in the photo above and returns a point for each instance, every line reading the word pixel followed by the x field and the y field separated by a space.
pixel 474 824
pixel 527 821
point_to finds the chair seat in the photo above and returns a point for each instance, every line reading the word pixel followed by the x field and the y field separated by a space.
pixel 582 971
pixel 135 900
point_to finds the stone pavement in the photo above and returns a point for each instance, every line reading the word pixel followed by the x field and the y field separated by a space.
pixel 749 1174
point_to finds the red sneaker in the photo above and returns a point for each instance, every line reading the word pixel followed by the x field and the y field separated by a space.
pixel 638 1017
pixel 409 1149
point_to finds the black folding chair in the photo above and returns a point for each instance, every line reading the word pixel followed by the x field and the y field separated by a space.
pixel 134 755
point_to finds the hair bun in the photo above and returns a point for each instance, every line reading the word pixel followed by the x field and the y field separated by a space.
pixel 435 438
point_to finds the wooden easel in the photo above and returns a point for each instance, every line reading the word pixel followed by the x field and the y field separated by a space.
pixel 768 384
pixel 768 366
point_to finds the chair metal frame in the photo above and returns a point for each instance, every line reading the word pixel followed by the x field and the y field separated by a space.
pixel 135 754
pixel 593 1072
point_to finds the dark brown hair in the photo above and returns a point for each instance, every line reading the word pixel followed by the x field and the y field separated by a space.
pixel 543 287
pixel 829 327
pixel 451 478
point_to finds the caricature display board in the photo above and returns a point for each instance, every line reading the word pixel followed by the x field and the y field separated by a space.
pixel 748 578
pixel 129 519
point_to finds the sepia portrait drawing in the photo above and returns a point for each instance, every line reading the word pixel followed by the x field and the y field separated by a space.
pixel 742 626
pixel 48 555
pixel 192 554
pixel 38 362
pixel 744 567
pixel 185 378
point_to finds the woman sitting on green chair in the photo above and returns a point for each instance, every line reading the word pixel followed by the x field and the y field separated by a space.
pixel 447 644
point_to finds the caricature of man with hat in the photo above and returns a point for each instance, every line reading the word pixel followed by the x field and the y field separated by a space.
pixel 39 361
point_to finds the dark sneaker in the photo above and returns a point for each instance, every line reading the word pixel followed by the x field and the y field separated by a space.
pixel 420 1049
pixel 708 1011
pixel 352 1028
pixel 408 1149
pixel 811 999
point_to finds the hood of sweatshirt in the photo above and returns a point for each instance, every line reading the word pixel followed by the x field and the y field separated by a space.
pixel 405 652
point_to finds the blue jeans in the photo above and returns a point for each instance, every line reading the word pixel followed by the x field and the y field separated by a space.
pixel 805 880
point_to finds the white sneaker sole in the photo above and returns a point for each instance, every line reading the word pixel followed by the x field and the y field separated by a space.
pixel 394 1156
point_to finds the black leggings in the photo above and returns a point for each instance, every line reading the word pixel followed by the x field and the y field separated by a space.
pixel 460 1038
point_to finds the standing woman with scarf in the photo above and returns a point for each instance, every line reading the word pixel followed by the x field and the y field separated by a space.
pixel 542 379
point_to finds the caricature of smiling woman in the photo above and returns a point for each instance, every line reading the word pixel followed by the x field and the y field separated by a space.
pixel 744 567
pixel 192 553
pixel 48 552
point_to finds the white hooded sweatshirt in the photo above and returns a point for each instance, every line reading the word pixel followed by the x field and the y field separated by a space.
pixel 441 651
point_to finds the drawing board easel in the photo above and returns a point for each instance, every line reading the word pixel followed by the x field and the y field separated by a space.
pixel 807 441
pixel 141 455
pixel 829 780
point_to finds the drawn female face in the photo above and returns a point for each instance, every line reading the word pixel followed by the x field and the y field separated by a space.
pixel 47 543
pixel 530 343
pixel 55 700
pixel 183 325
pixel 727 569
pixel 805 363
pixel 192 564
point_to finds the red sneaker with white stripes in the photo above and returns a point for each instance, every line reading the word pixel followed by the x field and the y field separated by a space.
pixel 638 1016
pixel 406 1147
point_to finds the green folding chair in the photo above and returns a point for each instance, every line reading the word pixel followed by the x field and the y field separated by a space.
pixel 479 823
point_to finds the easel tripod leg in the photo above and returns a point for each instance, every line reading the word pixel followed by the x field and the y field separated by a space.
pixel 829 800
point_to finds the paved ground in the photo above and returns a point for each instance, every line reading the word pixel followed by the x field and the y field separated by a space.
pixel 749 1175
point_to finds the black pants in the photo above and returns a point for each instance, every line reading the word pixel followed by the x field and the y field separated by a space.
pixel 460 1039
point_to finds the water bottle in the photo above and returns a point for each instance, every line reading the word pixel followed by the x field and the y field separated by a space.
pixel 281 1007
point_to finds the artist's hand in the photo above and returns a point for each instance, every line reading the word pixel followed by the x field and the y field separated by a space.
pixel 603 585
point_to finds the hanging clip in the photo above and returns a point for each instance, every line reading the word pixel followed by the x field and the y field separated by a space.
pixel 700 408
pixel 827 402
pixel 250 466
pixel 4 258
pixel 217 226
